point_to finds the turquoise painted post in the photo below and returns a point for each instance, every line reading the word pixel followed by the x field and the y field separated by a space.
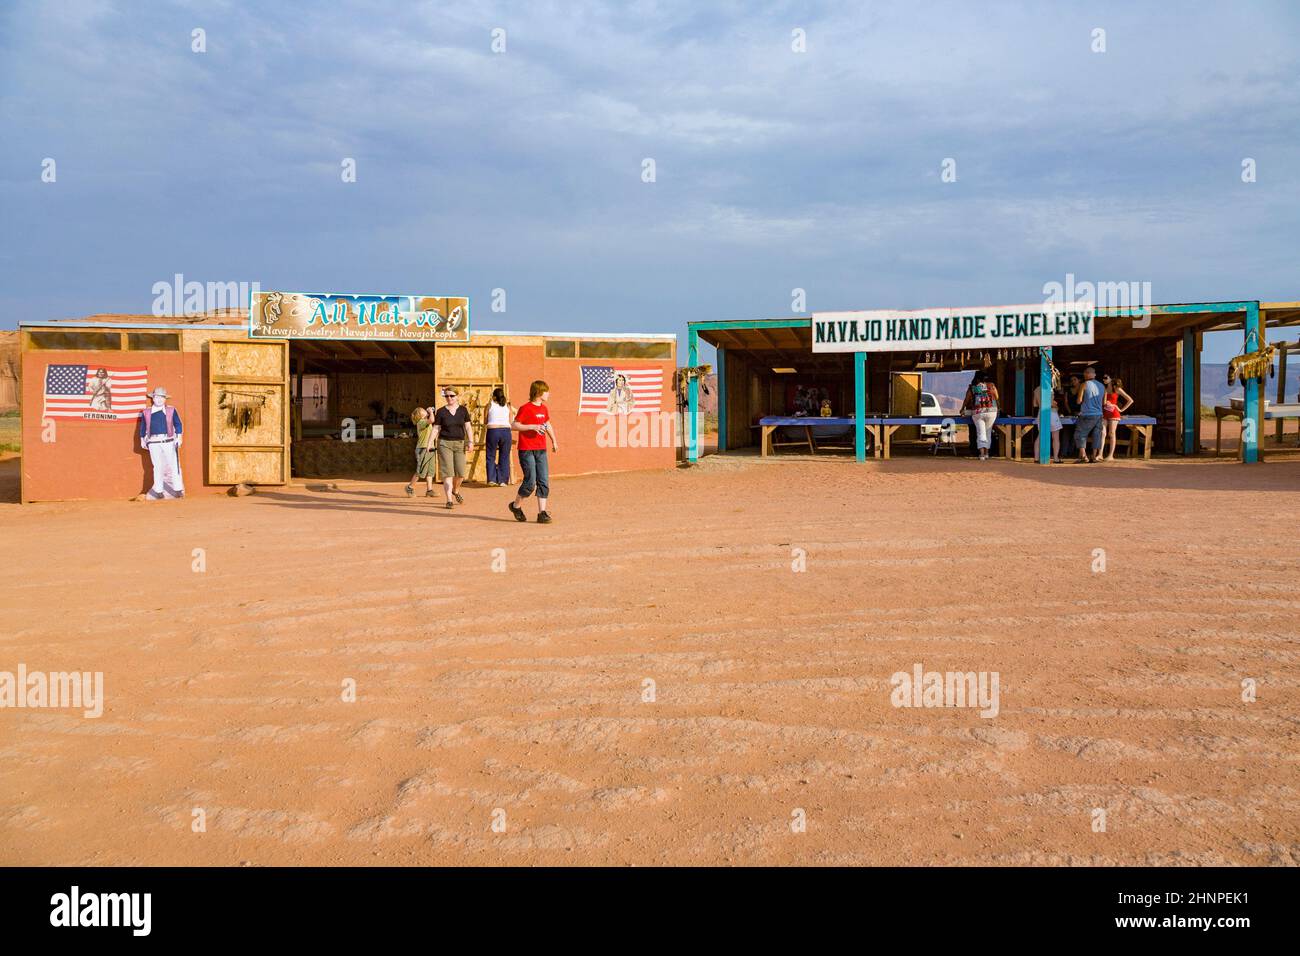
pixel 1020 389
pixel 693 407
pixel 722 399
pixel 1191 401
pixel 860 405
pixel 1045 405
pixel 1252 419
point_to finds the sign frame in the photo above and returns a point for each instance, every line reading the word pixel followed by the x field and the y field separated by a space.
pixel 955 329
pixel 358 317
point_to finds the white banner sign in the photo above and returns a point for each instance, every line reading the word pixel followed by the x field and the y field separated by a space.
pixel 995 326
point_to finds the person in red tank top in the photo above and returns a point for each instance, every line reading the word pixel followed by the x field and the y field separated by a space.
pixel 1111 412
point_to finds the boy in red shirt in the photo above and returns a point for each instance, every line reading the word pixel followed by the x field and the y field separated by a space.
pixel 533 422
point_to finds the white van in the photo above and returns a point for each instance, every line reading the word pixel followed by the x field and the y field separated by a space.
pixel 930 406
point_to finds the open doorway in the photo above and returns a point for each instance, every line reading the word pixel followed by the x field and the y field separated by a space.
pixel 352 402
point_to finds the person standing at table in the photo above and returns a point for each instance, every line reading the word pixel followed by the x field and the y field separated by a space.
pixel 1068 408
pixel 1057 398
pixel 499 438
pixel 455 440
pixel 981 403
pixel 1111 412
pixel 533 422
pixel 1088 425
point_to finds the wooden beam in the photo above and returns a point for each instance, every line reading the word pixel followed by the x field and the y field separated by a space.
pixel 1281 385
pixel 780 350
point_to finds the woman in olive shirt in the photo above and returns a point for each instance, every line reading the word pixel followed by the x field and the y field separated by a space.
pixel 454 436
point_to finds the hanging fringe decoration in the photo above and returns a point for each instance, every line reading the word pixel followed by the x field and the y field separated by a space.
pixel 1051 367
pixel 1252 365
pixel 243 409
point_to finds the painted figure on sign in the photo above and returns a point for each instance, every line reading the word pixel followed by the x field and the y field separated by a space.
pixel 454 318
pixel 101 392
pixel 621 398
pixel 160 436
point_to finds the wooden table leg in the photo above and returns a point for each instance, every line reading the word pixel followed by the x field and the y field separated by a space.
pixel 1218 433
pixel 889 435
pixel 1148 432
pixel 807 430
pixel 767 440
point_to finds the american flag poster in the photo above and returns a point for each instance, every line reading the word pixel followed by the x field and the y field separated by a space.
pixel 95 392
pixel 607 390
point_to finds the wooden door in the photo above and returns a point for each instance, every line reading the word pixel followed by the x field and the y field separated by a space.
pixel 473 371
pixel 248 412
pixel 905 400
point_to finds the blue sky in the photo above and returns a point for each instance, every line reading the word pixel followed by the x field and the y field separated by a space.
pixel 522 170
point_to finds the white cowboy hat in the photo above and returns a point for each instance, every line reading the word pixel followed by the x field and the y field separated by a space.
pixel 159 392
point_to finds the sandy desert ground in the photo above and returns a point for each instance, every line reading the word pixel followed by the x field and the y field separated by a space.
pixel 519 696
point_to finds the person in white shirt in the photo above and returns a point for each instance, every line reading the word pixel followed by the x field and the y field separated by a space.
pixel 500 413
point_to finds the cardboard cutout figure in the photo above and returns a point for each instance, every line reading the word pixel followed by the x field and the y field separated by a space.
pixel 160 436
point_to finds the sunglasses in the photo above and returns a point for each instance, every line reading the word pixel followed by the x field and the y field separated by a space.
pixel 448 394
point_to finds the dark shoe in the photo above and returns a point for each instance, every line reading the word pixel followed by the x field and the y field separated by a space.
pixel 410 491
pixel 450 506
pixel 543 517
pixel 518 512
pixel 430 494
pixel 459 499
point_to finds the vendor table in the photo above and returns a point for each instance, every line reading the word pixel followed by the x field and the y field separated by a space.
pixel 331 458
pixel 1141 427
pixel 1271 413
pixel 768 444
pixel 882 427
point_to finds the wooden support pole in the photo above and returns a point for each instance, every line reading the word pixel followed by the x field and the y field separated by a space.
pixel 722 399
pixel 1045 405
pixel 860 405
pixel 1281 387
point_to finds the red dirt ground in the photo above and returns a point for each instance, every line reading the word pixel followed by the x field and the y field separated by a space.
pixel 519 696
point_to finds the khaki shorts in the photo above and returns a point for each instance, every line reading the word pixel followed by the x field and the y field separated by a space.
pixel 451 458
pixel 424 462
